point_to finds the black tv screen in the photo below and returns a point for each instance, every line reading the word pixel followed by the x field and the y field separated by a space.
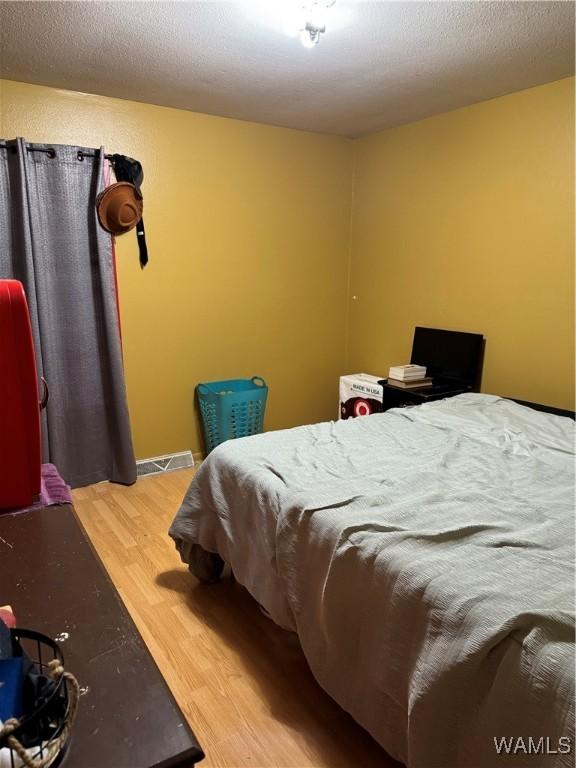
pixel 453 356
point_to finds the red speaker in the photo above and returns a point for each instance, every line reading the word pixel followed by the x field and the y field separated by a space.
pixel 20 453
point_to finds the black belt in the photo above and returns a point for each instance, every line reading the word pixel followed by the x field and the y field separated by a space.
pixel 128 169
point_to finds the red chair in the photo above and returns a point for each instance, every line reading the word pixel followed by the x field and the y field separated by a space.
pixel 20 453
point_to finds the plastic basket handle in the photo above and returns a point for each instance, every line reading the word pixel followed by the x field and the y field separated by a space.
pixel 207 389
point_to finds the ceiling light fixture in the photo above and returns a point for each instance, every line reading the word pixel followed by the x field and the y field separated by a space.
pixel 308 21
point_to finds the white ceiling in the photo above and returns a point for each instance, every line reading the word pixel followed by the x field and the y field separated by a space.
pixel 379 64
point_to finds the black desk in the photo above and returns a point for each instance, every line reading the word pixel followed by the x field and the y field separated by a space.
pixel 395 397
pixel 54 580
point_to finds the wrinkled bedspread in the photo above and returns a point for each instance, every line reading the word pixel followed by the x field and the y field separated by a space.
pixel 425 557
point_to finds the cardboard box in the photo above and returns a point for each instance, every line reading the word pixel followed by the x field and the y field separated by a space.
pixel 360 395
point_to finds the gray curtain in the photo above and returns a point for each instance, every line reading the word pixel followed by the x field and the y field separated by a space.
pixel 50 239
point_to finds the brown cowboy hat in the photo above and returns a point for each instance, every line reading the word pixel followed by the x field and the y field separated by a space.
pixel 119 208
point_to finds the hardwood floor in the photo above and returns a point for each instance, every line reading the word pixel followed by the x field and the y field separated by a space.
pixel 241 681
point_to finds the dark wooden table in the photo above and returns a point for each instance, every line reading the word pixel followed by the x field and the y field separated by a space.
pixel 55 582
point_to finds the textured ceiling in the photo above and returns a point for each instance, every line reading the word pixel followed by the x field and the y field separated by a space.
pixel 380 64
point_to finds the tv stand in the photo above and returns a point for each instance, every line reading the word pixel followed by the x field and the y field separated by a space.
pixel 394 397
pixel 453 360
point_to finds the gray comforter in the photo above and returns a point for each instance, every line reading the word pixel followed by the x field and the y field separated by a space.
pixel 425 557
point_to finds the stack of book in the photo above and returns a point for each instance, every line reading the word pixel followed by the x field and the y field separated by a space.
pixel 408 377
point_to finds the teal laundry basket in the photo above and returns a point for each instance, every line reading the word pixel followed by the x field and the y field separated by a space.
pixel 233 408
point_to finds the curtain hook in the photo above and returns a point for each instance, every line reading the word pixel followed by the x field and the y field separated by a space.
pixel 51 153
pixel 80 155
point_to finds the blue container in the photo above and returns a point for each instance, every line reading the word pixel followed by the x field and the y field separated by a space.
pixel 233 408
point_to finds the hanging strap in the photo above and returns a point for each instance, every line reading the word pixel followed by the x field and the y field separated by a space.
pixel 128 169
pixel 141 237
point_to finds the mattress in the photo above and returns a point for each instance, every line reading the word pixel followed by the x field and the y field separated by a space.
pixel 425 557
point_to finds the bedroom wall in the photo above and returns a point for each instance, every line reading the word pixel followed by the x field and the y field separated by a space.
pixel 463 220
pixel 248 232
pixel 466 221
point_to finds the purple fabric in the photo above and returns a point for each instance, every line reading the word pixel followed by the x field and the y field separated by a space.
pixel 53 490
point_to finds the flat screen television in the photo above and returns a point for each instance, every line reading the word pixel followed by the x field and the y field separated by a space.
pixel 449 356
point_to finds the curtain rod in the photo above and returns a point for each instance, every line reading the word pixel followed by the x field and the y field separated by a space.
pixel 51 152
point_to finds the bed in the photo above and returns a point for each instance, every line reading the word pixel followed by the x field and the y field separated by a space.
pixel 425 557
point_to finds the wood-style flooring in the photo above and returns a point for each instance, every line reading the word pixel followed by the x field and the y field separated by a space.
pixel 241 681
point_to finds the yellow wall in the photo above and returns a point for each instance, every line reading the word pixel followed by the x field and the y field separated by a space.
pixel 466 221
pixel 247 229
pixel 462 221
